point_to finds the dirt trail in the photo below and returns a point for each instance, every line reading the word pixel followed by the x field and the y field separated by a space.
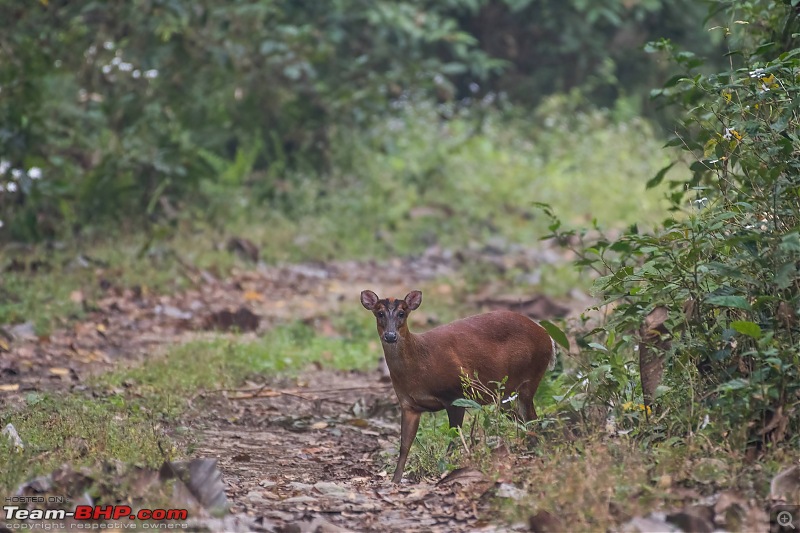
pixel 296 464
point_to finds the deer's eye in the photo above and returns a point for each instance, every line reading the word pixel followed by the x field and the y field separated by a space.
pixel 401 314
pixel 380 314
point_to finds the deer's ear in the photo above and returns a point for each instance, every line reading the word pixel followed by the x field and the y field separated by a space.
pixel 413 299
pixel 369 299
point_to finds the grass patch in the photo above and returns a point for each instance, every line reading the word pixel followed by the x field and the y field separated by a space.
pixel 594 483
pixel 128 414
pixel 51 288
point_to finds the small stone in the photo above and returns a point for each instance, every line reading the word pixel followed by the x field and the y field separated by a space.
pixel 300 499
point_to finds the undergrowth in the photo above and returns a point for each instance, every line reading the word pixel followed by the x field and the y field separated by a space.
pixel 132 415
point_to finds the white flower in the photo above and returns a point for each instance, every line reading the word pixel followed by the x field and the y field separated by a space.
pixel 34 173
pixel 125 67
pixel 4 166
pixel 136 73
pixel 151 74
pixel 106 69
pixel 728 135
pixel 1 223
pixel 474 87
pixel 16 173
pixel 108 45
pixel 11 186
pixel 116 61
pixel 757 73
pixel 764 88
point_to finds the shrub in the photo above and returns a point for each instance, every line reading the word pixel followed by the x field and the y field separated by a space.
pixel 714 291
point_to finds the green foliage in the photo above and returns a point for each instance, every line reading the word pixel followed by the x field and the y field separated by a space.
pixel 130 111
pixel 126 107
pixel 725 265
pixel 594 47
pixel 417 181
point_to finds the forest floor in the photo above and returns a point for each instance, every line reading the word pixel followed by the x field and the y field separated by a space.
pixel 308 450
pixel 254 397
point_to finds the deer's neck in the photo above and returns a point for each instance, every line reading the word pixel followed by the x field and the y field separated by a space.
pixel 407 351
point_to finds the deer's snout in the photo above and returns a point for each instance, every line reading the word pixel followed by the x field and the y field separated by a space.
pixel 390 337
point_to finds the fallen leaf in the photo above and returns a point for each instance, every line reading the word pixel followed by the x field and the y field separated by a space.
pixel 417 495
pixel 76 297
pixel 314 450
pixel 242 319
pixel 251 296
pixel 202 479
pixel 244 248
pixel 696 520
pixel 544 522
pixel 59 371
pixel 463 476
pixel 9 387
pixel 785 484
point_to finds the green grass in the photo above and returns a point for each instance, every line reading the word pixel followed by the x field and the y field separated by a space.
pixel 43 295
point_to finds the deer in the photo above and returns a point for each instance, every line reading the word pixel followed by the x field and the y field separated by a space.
pixel 426 369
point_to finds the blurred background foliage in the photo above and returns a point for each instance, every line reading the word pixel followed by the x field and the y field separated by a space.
pixel 136 111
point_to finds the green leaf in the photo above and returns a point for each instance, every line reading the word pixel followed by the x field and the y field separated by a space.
pixel 466 402
pixel 598 346
pixel 676 141
pixel 790 242
pixel 556 333
pixel 737 302
pixel 751 329
pixel 786 275
pixel 659 177
pixel 734 384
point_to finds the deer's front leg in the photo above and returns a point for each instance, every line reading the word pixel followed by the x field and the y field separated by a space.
pixel 409 424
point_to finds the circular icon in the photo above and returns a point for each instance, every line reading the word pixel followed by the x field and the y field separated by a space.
pixel 785 519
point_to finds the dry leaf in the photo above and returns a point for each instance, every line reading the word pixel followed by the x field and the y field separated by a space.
pixel 9 387
pixel 59 371
pixel 785 484
pixel 253 296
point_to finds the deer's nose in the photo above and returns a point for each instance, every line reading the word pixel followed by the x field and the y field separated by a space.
pixel 390 336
